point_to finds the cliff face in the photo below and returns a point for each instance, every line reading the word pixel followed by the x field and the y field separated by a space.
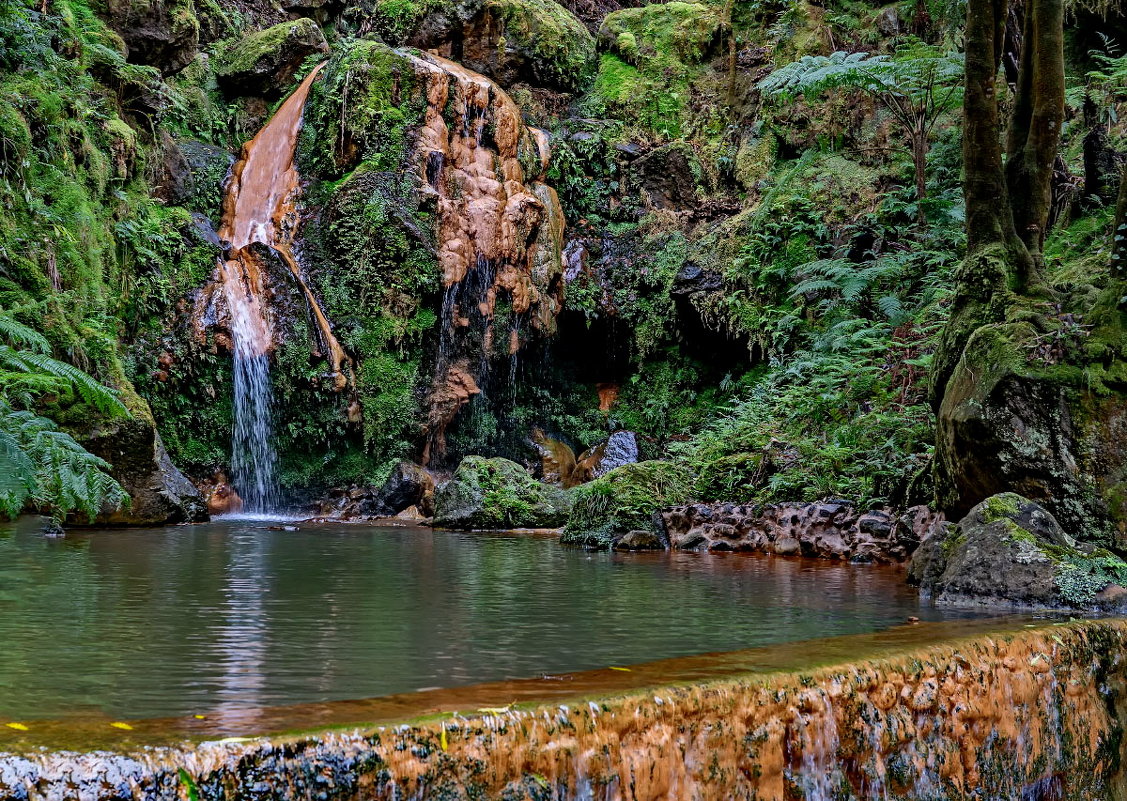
pixel 1037 714
pixel 578 218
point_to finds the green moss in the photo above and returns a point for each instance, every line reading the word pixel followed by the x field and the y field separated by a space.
pixel 497 493
pixel 680 31
pixel 360 111
pixel 258 48
pixel 1002 505
pixel 625 499
pixel 558 47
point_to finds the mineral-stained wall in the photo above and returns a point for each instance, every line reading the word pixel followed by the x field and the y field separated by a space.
pixel 1032 715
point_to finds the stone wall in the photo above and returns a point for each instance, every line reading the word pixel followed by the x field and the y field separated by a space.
pixel 831 529
pixel 1032 715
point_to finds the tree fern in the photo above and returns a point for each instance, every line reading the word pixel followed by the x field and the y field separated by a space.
pixel 42 467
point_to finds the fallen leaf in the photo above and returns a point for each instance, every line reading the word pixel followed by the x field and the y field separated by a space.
pixel 119 725
pixel 442 737
pixel 624 670
pixel 17 726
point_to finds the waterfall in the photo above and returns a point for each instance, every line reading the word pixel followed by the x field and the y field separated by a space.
pixel 259 208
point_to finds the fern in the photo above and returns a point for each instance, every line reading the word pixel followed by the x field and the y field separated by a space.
pixel 42 467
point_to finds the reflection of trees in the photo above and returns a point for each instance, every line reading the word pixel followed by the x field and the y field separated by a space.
pixel 211 620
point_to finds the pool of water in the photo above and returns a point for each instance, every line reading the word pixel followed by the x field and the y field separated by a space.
pixel 233 615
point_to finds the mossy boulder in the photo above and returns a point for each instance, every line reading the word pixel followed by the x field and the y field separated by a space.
pixel 538 42
pixel 626 500
pixel 159 33
pixel 1016 416
pixel 265 62
pixel 496 494
pixel 1013 552
pixel 532 41
pixel 686 32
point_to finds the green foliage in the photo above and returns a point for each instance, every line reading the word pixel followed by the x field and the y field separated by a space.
pixel 1080 578
pixel 624 500
pixel 917 74
pixel 656 53
pixel 40 466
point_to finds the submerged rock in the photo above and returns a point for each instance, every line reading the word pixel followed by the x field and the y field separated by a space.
pixel 1011 551
pixel 265 62
pixel 829 529
pixel 496 493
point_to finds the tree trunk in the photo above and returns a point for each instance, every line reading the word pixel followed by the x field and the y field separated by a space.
pixel 1035 130
pixel 919 156
pixel 1119 232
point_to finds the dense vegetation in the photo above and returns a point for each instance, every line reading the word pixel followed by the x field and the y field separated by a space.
pixel 766 233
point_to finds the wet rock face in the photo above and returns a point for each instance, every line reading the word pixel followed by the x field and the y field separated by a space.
pixel 497 494
pixel 1011 551
pixel 159 33
pixel 830 530
pixel 668 177
pixel 1023 716
pixel 160 493
pixel 1000 431
pixel 265 62
pixel 409 485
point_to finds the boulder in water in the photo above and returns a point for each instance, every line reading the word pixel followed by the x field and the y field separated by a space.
pixel 160 493
pixel 265 62
pixel 408 486
pixel 498 494
pixel 626 500
pixel 1011 551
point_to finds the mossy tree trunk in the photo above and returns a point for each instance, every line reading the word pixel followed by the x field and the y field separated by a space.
pixel 1007 208
pixel 1119 232
pixel 1035 129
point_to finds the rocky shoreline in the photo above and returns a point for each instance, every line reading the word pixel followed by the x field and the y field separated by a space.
pixel 1035 714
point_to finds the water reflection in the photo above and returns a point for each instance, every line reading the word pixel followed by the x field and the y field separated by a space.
pixel 227 617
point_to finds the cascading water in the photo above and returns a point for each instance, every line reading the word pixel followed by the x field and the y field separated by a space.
pixel 259 208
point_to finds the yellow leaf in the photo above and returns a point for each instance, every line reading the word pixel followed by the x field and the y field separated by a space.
pixel 200 717
pixel 442 737
pixel 119 725
pixel 624 670
pixel 17 726
pixel 494 710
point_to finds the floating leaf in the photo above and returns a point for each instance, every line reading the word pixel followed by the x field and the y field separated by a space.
pixel 200 717
pixel 117 724
pixel 17 726
pixel 624 670
pixel 189 785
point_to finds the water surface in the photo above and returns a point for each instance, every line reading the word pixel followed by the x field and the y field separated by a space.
pixel 231 616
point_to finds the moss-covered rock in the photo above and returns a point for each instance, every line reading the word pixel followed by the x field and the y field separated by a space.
pixel 1011 551
pixel 265 62
pixel 538 42
pixel 1014 419
pixel 682 31
pixel 496 493
pixel 624 500
pixel 160 33
pixel 533 41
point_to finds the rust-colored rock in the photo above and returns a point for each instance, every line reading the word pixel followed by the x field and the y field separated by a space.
pixel 1034 715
